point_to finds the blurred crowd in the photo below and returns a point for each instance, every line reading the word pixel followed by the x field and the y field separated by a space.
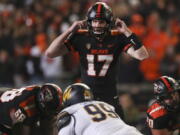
pixel 27 27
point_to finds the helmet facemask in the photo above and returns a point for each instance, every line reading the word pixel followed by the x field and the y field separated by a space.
pixel 170 101
pixel 99 31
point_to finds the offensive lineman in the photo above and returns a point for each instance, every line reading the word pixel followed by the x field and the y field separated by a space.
pixel 30 104
pixel 163 115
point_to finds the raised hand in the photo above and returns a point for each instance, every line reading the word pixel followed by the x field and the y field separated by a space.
pixel 78 25
pixel 122 27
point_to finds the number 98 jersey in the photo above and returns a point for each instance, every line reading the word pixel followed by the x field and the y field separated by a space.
pixel 93 118
pixel 18 105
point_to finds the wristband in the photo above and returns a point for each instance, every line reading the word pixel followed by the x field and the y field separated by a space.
pixel 134 40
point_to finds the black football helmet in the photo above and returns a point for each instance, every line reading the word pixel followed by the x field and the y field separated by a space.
pixel 163 87
pixel 99 11
pixel 49 99
pixel 76 93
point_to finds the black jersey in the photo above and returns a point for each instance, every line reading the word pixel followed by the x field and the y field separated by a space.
pixel 158 117
pixel 18 105
pixel 98 58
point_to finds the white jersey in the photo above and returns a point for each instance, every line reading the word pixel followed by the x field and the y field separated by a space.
pixel 95 118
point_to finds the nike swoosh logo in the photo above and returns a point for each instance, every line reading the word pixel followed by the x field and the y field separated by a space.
pixel 132 41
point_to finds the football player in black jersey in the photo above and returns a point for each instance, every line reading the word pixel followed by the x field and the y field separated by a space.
pixel 30 104
pixel 99 47
pixel 163 115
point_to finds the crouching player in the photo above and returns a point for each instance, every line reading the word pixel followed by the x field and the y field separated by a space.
pixel 163 115
pixel 84 116
pixel 28 105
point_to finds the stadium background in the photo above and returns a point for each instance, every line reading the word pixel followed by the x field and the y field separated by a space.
pixel 27 27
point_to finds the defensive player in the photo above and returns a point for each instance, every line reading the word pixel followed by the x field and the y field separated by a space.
pixel 163 116
pixel 99 48
pixel 84 116
pixel 28 105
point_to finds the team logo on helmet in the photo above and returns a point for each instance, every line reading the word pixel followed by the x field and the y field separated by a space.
pixel 67 94
pixel 48 95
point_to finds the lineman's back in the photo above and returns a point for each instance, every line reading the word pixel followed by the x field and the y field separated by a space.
pixel 93 118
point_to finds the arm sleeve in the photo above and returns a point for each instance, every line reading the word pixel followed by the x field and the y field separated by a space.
pixel 132 41
pixel 125 43
pixel 135 41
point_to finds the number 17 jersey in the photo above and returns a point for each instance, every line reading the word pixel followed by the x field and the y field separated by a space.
pixel 95 118
pixel 98 59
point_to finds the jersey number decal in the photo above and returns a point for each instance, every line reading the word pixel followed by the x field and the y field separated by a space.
pixel 150 122
pixel 19 115
pixel 107 59
pixel 100 112
pixel 10 95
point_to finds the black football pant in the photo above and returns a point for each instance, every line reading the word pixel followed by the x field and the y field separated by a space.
pixel 112 100
pixel 108 94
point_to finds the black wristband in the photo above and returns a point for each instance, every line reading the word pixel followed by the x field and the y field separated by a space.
pixel 134 40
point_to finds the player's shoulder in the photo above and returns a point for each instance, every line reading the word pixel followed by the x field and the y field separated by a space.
pixel 156 110
pixel 29 89
pixel 73 108
pixel 82 32
pixel 100 102
pixel 115 32
pixel 4 89
pixel 103 104
pixel 63 119
pixel 32 87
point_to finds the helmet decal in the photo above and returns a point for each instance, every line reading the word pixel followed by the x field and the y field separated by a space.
pixel 98 12
pixel 67 94
pixel 48 96
pixel 76 93
pixel 104 4
pixel 167 84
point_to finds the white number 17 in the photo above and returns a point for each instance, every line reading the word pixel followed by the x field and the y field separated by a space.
pixel 107 59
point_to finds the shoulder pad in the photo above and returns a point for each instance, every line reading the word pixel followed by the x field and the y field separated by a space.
pixel 64 119
pixel 82 31
pixel 115 32
pixel 156 110
pixel 32 87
